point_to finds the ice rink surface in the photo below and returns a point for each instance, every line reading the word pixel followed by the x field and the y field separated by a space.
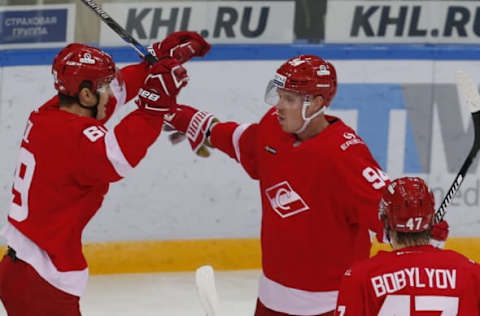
pixel 172 294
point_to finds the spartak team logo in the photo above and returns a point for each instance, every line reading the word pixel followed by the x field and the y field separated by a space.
pixel 284 200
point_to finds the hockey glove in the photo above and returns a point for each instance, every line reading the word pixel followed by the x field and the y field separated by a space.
pixel 180 45
pixel 161 87
pixel 439 234
pixel 194 124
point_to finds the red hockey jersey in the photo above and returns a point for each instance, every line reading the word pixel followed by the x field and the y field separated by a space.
pixel 412 281
pixel 65 165
pixel 319 200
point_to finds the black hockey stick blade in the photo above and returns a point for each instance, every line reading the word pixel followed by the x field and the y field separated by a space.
pixel 139 48
pixel 469 90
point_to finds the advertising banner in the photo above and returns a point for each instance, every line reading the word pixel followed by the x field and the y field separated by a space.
pixel 409 112
pixel 403 22
pixel 36 26
pixel 233 22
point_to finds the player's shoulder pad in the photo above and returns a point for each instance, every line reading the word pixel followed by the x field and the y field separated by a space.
pixel 89 128
pixel 270 115
pixel 347 139
pixel 359 268
pixel 454 255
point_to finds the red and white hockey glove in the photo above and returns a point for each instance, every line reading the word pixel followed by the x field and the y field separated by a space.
pixel 158 95
pixel 181 45
pixel 194 124
pixel 439 234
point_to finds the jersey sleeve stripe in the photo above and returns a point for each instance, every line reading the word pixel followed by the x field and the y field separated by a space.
pixel 119 91
pixel 115 155
pixel 293 301
pixel 237 134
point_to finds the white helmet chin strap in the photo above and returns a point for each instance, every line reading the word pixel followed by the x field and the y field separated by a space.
pixel 306 120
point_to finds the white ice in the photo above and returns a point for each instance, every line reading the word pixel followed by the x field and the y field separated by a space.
pixel 171 294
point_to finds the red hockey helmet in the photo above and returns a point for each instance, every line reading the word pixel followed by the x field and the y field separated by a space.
pixel 77 63
pixel 407 205
pixel 304 74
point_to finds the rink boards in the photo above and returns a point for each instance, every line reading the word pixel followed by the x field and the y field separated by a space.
pixel 177 211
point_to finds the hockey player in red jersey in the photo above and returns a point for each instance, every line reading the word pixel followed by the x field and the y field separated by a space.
pixel 67 160
pixel 319 185
pixel 416 278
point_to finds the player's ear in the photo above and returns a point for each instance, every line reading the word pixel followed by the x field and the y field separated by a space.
pixel 317 103
pixel 86 96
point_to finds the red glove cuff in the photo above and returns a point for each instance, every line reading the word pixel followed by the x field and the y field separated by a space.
pixel 181 46
pixel 440 231
pixel 192 122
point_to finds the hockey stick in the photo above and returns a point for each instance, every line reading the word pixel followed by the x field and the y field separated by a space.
pixel 205 283
pixel 469 90
pixel 139 48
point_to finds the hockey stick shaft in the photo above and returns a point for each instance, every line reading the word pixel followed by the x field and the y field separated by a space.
pixel 117 28
pixel 205 283
pixel 129 39
pixel 469 90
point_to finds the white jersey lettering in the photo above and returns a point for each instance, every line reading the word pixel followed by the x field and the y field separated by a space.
pixel 93 133
pixel 389 283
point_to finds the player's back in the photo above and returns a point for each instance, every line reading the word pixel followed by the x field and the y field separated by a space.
pixel 50 196
pixel 417 281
